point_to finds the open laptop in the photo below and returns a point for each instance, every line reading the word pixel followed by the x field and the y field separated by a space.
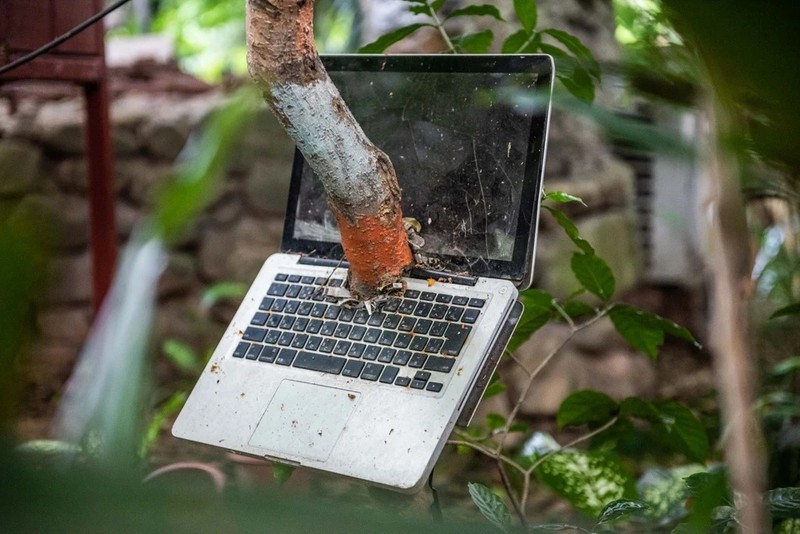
pixel 303 376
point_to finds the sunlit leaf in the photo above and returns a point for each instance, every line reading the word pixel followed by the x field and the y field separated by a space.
pixel 163 412
pixel 182 355
pixel 515 42
pixel 594 274
pixel 491 506
pixel 560 197
pixel 495 387
pixel 584 407
pixel 474 43
pixel 384 41
pixel 709 491
pixel 281 472
pixel 574 45
pixel 789 365
pixel 621 508
pixel 665 491
pixel 784 503
pixel 526 13
pixel 222 291
pixel 480 10
pixel 495 421
pixel 588 480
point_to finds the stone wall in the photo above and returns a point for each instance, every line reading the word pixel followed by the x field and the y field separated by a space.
pixel 42 169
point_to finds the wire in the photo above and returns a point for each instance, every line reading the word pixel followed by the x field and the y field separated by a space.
pixel 57 41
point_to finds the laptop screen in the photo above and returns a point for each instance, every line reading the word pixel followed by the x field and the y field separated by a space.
pixel 467 150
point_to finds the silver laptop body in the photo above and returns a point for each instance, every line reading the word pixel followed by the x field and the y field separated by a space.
pixel 304 378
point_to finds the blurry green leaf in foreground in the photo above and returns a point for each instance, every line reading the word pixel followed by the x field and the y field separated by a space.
pixel 537 312
pixel 586 407
pixel 621 508
pixel 103 400
pixel 491 506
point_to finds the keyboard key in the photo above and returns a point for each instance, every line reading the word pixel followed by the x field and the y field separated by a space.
pixel 281 277
pixel 386 355
pixel 391 321
pixel 417 360
pixel 269 354
pixel 406 324
pixel 372 335
pixel 418 384
pixel 287 322
pixel 277 290
pixel 314 326
pixel 470 316
pixel 391 305
pixel 294 278
pixel 299 341
pixel 274 320
pixel 438 311
pixel 454 313
pixel 402 340
pixel 423 326
pixel 254 351
pixel 352 368
pixel 434 345
pixel 422 375
pixel 361 316
pixel 460 301
pixel 438 329
pixel 434 386
pixel 319 362
pixel 272 336
pixel 253 333
pixel 444 298
pixel 356 350
pixel 266 303
pixel 407 306
pixel 440 364
pixel 285 357
pixel 320 281
pixel 328 328
pixel 300 324
pixel 327 345
pixel 427 296
pixel 347 314
pixel 286 339
pixel 278 305
pixel 241 349
pixel 357 333
pixel 476 303
pixel 341 347
pixel 387 337
pixel 336 282
pixel 307 280
pixel 389 374
pixel 376 319
pixel 342 331
pixel 291 306
pixel 293 291
pixel 259 319
pixel 371 352
pixel 456 334
pixel 402 381
pixel 422 309
pixel 305 308
pixel 306 292
pixel 402 357
pixel 411 293
pixel 333 311
pixel 372 371
pixel 319 309
pixel 313 343
pixel 418 343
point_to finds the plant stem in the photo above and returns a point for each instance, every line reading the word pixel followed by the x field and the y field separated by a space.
pixel 511 496
pixel 440 27
pixel 530 39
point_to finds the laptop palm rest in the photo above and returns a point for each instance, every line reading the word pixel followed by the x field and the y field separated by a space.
pixel 304 420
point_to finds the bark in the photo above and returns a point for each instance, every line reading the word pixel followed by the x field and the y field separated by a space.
pixel 359 179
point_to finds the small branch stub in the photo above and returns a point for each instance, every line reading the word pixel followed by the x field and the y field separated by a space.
pixel 359 179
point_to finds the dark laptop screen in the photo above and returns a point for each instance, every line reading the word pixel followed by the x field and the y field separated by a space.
pixel 467 153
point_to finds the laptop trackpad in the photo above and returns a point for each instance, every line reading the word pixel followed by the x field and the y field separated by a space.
pixel 304 420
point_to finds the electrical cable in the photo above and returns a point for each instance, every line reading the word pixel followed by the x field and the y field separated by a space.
pixel 58 40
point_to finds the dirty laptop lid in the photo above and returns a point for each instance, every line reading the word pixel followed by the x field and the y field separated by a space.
pixel 307 377
pixel 467 145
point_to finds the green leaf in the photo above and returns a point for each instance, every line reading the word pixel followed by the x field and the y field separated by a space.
pixel 495 387
pixel 538 311
pixel 477 11
pixel 570 229
pixel 644 330
pixel 791 309
pixel 165 410
pixel 491 506
pixel 526 14
pixel 786 366
pixel 584 407
pixel 665 492
pixel 384 41
pixel 594 274
pixel 495 421
pixel 182 355
pixel 587 479
pixel 574 45
pixel 560 197
pixel 621 508
pixel 281 472
pixel 674 425
pixel 571 73
pixel 222 291
pixel 515 42
pixel 576 309
pixel 708 490
pixel 474 43
pixel 784 503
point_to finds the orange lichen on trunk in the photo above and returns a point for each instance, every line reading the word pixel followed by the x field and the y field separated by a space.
pixel 378 252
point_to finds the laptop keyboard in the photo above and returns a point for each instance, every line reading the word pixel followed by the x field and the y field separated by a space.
pixel 413 340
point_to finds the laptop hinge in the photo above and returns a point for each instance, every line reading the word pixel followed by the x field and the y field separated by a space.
pixel 417 272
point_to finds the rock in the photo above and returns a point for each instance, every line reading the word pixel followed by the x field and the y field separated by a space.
pixel 60 125
pixel 164 139
pixel 72 175
pixel 142 178
pixel 67 325
pixel 20 167
pixel 123 142
pixel 267 186
pixel 613 186
pixel 71 216
pixel 575 148
pixel 227 209
pixel 236 253
pixel 618 373
pixel 70 280
pixel 127 218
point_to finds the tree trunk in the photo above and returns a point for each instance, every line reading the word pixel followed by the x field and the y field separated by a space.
pixel 359 179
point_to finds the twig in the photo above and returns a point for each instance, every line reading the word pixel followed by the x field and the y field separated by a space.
pixel 488 452
pixel 511 496
pixel 440 27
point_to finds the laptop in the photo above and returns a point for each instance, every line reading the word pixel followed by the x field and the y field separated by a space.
pixel 307 377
